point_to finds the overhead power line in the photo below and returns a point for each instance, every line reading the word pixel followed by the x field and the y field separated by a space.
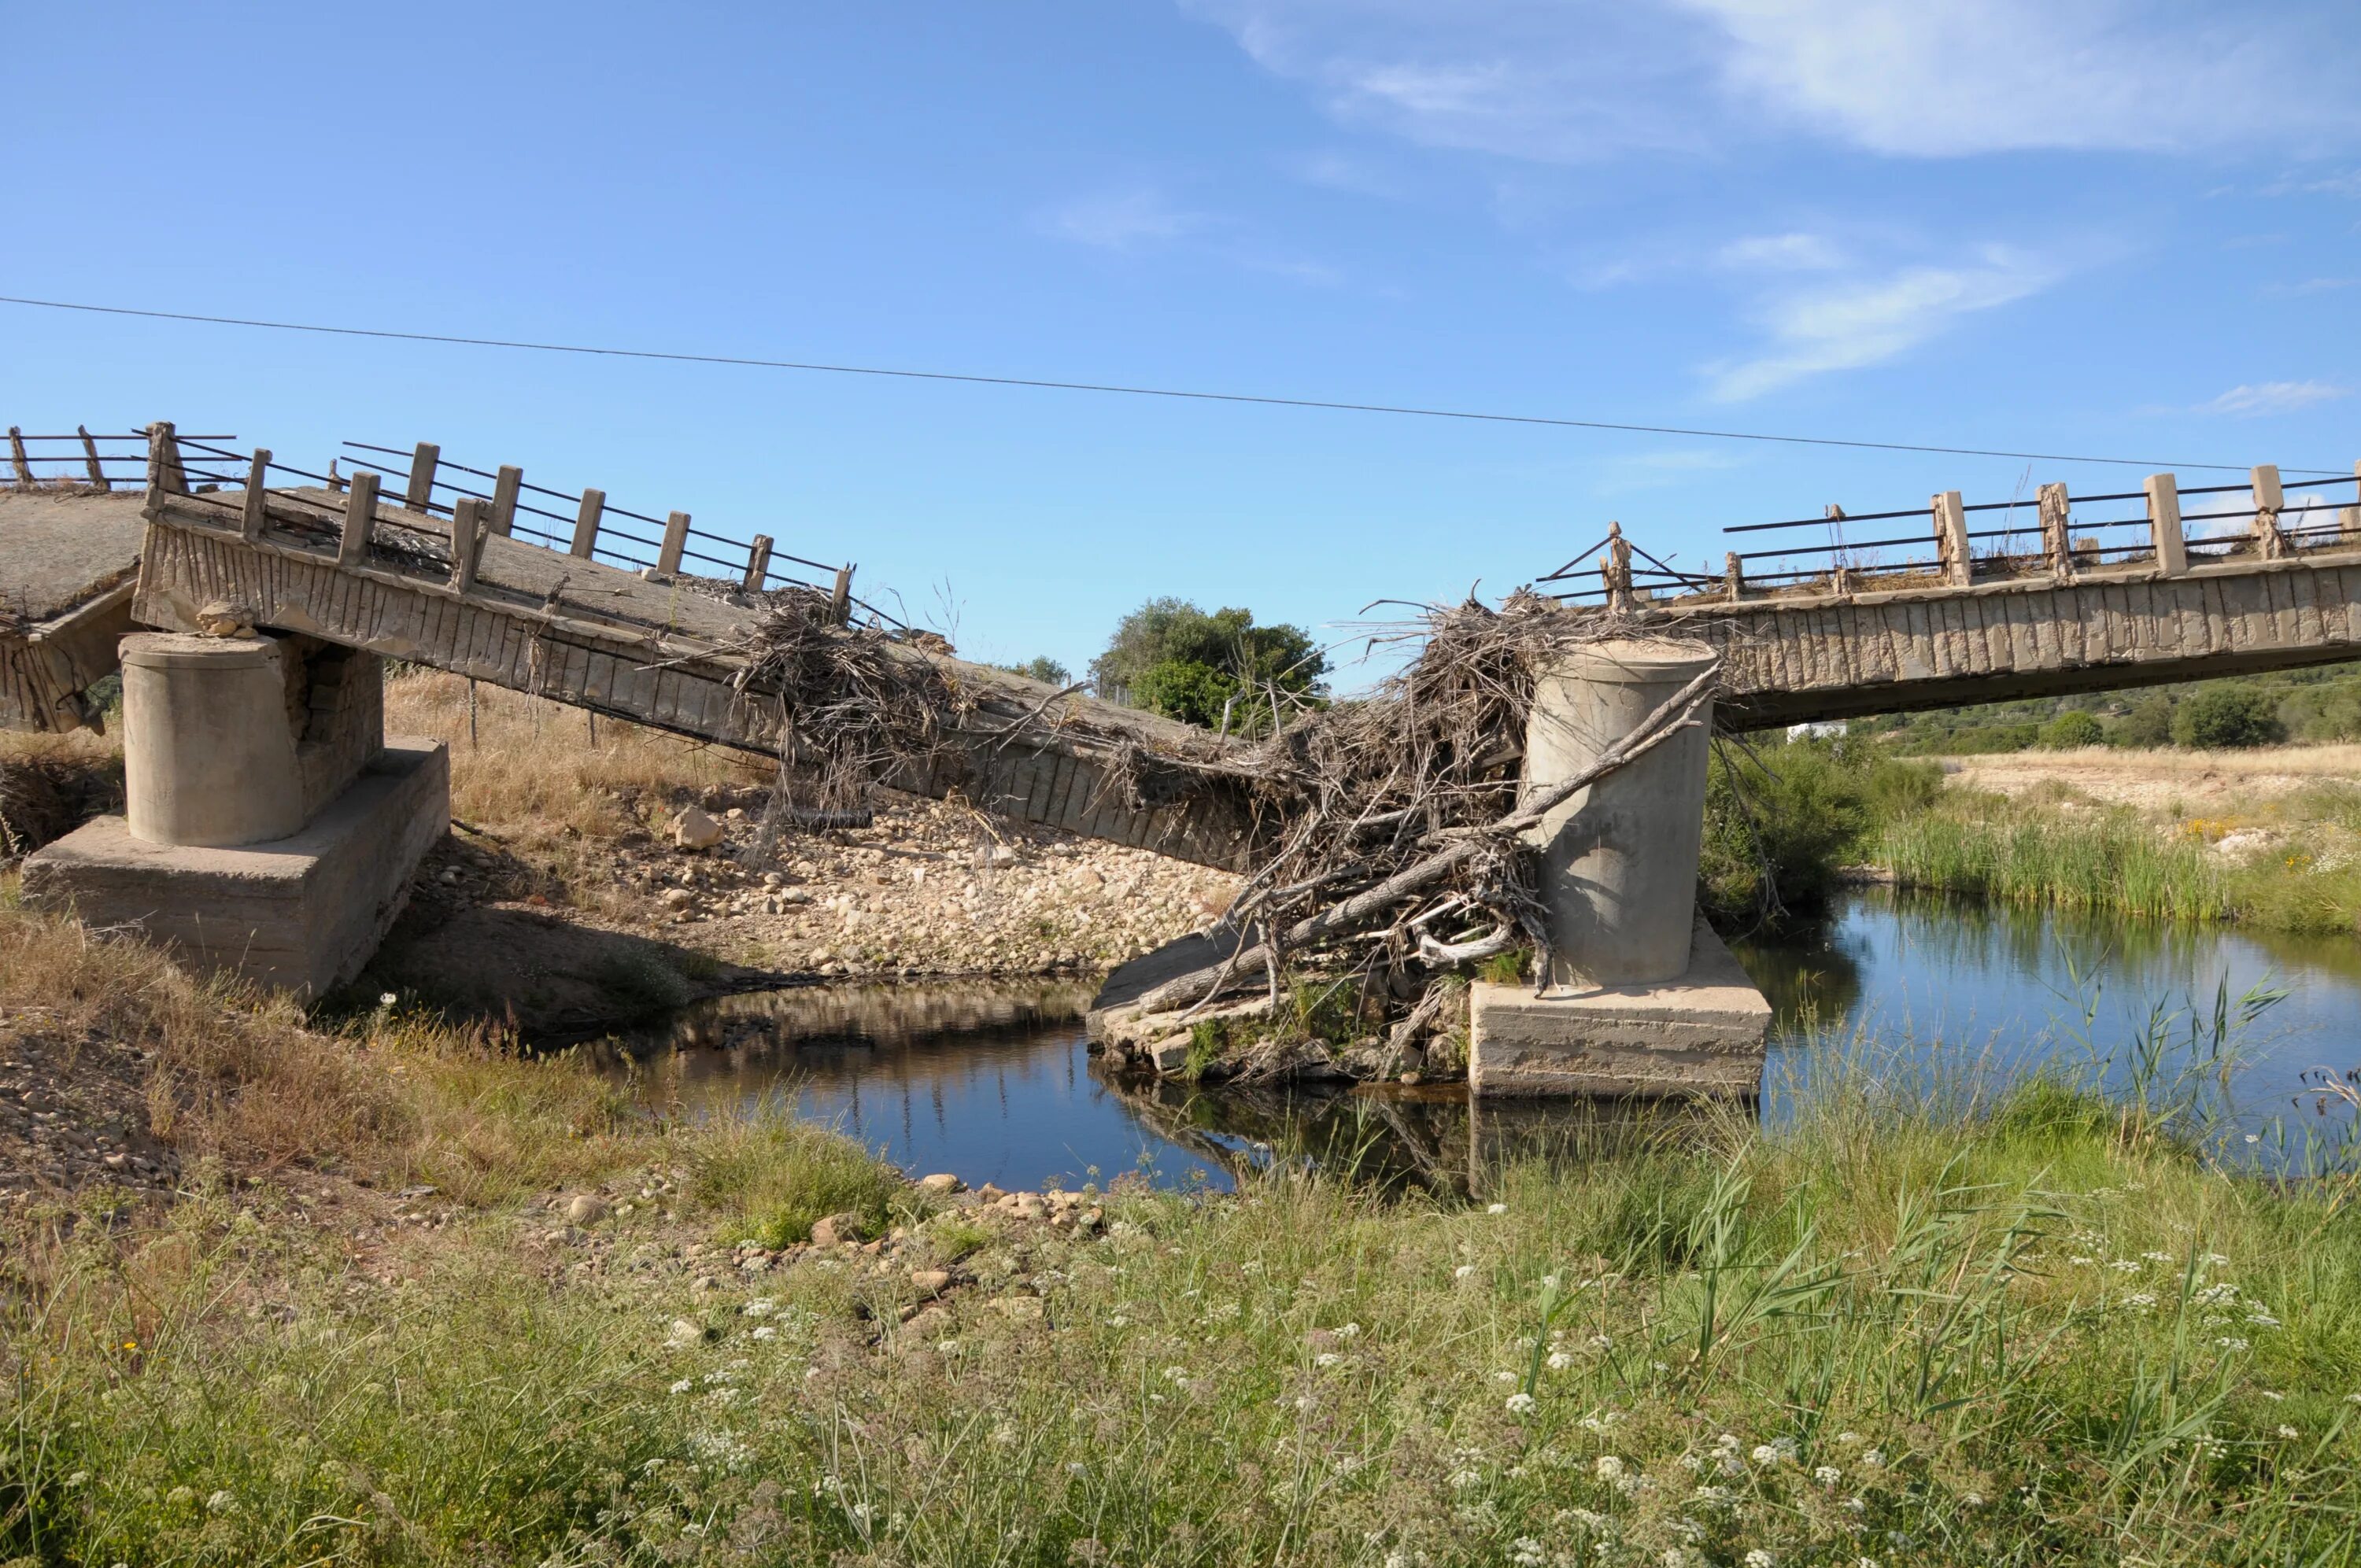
pixel 1182 394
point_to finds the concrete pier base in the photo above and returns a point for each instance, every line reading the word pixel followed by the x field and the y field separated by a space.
pixel 1702 1032
pixel 300 914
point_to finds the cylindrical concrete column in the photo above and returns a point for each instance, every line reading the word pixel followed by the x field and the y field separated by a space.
pixel 1620 858
pixel 208 754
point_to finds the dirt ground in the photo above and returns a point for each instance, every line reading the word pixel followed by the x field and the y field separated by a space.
pixel 2170 783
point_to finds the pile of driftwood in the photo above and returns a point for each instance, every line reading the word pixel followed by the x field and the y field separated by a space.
pixel 1406 856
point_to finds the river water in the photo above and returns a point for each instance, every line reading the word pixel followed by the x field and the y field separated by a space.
pixel 993 1082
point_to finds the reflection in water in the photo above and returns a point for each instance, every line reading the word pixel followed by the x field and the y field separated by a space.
pixel 993 1081
pixel 1947 983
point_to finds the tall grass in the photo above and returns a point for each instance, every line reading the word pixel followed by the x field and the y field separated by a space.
pixel 1907 1327
pixel 2114 862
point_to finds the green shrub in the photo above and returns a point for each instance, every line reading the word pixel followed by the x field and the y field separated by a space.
pixel 2224 716
pixel 1776 833
pixel 2070 730
pixel 2150 723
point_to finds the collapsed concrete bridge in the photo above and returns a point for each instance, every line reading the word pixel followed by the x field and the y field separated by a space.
pixel 276 603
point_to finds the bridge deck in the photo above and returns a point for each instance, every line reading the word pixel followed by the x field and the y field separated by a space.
pixel 656 652
pixel 70 556
pixel 1792 659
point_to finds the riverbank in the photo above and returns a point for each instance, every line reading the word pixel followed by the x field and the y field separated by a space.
pixel 409 1297
pixel 2269 837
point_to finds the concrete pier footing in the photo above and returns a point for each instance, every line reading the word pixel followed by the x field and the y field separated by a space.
pixel 1701 1034
pixel 269 829
pixel 300 914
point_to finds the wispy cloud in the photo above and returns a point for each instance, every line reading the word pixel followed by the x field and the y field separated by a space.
pixel 1572 81
pixel 1123 220
pixel 2313 285
pixel 1783 253
pixel 2272 397
pixel 1868 320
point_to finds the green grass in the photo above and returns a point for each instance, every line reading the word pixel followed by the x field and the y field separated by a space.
pixel 2116 862
pixel 771 1179
pixel 1910 1328
pixel 2121 862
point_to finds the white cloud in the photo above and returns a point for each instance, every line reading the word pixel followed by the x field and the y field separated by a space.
pixel 1123 220
pixel 1783 253
pixel 1866 320
pixel 2273 398
pixel 1570 81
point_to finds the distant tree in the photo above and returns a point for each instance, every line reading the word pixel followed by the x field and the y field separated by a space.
pixel 2222 716
pixel 1044 669
pixel 2148 724
pixel 2071 728
pixel 1170 657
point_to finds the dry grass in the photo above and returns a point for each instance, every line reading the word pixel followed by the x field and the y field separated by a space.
pixel 2159 779
pixel 530 773
pixel 240 1077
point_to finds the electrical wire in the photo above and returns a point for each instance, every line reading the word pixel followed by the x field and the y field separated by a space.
pixel 1112 387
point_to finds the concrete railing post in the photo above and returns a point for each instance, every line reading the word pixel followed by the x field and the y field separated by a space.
pixel 1618 859
pixel 208 753
pixel 2164 525
pixel 2349 521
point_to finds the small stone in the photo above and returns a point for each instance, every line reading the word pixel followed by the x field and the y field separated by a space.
pixel 696 830
pixel 1170 1054
pixel 943 1184
pixel 586 1210
pixel 754 1263
pixel 1412 1079
pixel 706 1282
pixel 677 898
pixel 933 1281
pixel 836 1229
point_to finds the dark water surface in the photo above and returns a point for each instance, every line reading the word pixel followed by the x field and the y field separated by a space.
pixel 993 1082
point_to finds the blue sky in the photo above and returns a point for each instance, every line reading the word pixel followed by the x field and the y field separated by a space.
pixel 2100 228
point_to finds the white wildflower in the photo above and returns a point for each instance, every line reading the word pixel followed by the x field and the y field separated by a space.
pixel 1326 1359
pixel 1504 1377
pixel 1463 1479
pixel 1520 1404
pixel 683 1385
pixel 1758 1558
pixel 224 1503
pixel 1560 1360
pixel 1527 1552
pixel 1495 1208
pixel 766 1332
pixel 1607 1467
pixel 1874 1458
pixel 2289 1432
pixel 1549 1281
pixel 1463 1271
pixel 1828 1474
pixel 1348 1330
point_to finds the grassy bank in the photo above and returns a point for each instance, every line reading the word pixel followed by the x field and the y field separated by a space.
pixel 1909 1328
pixel 2286 863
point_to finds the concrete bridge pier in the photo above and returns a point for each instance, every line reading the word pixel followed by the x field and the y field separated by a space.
pixel 269 829
pixel 1640 996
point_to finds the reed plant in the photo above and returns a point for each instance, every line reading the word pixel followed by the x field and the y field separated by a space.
pixel 2111 863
